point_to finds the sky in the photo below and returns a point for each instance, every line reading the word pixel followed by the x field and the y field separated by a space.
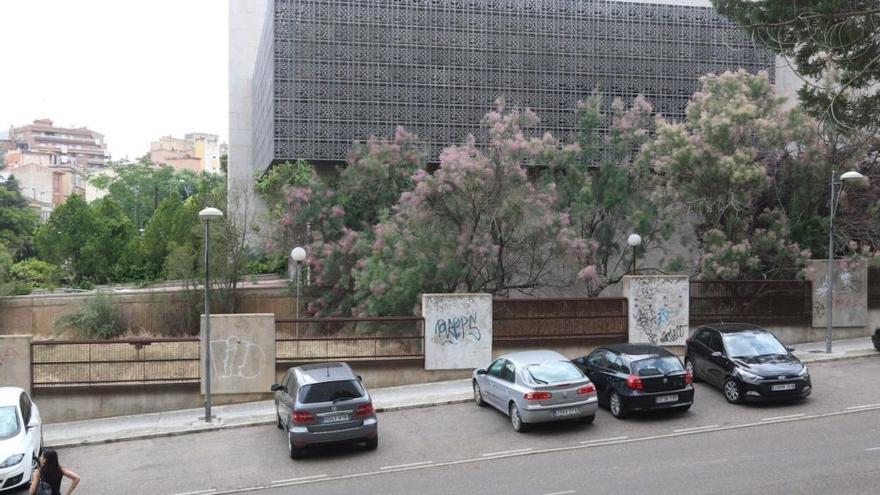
pixel 133 70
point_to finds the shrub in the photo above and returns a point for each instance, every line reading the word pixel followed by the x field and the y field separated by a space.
pixel 97 317
pixel 33 274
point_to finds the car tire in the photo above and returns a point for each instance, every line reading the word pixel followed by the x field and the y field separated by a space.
pixel 372 443
pixel 478 395
pixel 689 366
pixel 615 405
pixel 516 421
pixel 294 451
pixel 588 420
pixel 732 392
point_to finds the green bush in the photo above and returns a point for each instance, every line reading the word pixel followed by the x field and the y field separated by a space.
pixel 33 274
pixel 97 318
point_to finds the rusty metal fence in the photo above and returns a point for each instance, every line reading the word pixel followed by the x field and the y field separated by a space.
pixel 353 339
pixel 874 288
pixel 600 320
pixel 753 301
pixel 114 362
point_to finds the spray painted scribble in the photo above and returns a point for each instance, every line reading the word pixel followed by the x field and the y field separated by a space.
pixel 456 329
pixel 658 308
pixel 237 358
pixel 850 297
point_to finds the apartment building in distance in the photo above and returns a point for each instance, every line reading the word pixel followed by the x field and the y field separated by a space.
pixel 79 146
pixel 46 178
pixel 197 151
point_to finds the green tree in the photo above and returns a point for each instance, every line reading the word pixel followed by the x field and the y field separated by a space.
pixel 112 233
pixel 65 238
pixel 836 38
pixel 173 223
pixel 18 220
pixel 33 274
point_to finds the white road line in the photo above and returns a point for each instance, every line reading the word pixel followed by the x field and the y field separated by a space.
pixel 295 480
pixel 603 440
pixel 695 428
pixel 412 464
pixel 569 492
pixel 503 452
pixel 862 407
pixel 872 449
pixel 198 492
pixel 784 417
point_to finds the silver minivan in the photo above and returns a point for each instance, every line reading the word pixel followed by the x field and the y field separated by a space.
pixel 536 387
pixel 324 404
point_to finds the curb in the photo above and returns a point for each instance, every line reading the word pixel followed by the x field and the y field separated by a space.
pixel 844 357
pixel 245 424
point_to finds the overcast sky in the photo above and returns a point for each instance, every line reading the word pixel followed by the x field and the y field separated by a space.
pixel 133 70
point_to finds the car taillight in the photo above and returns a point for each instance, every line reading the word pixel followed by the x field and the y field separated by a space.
pixel 587 389
pixel 364 410
pixel 688 379
pixel 302 417
pixel 634 382
pixel 537 395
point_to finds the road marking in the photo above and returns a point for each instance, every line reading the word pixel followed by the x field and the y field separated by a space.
pixel 784 417
pixel 569 492
pixel 297 480
pixel 412 464
pixel 862 407
pixel 695 428
pixel 505 452
pixel 603 440
pixel 198 492
pixel 872 449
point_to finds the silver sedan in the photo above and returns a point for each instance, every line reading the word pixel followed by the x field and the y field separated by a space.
pixel 535 387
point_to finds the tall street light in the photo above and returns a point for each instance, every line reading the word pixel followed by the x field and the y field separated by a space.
pixel 206 215
pixel 634 241
pixel 836 187
pixel 297 255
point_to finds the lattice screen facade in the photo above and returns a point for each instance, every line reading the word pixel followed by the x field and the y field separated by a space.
pixel 336 71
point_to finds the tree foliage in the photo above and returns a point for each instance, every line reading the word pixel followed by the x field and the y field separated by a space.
pixel 17 220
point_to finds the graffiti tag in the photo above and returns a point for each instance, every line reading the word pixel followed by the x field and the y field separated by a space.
pixel 238 358
pixel 457 329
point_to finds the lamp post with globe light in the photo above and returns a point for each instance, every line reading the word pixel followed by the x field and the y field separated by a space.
pixel 836 188
pixel 297 255
pixel 634 240
pixel 207 215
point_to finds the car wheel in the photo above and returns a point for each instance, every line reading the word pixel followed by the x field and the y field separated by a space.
pixel 588 420
pixel 516 420
pixel 478 395
pixel 278 422
pixel 689 367
pixel 615 405
pixel 731 391
pixel 295 452
pixel 372 443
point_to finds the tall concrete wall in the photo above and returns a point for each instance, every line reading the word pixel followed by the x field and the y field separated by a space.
pixel 850 298
pixel 242 350
pixel 658 309
pixel 15 361
pixel 458 330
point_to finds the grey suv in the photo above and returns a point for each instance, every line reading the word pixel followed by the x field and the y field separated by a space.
pixel 324 404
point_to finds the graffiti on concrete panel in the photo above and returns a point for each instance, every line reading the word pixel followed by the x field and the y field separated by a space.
pixel 237 358
pixel 849 296
pixel 659 310
pixel 456 329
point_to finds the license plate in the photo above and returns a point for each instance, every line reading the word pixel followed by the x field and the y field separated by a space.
pixel 781 387
pixel 568 411
pixel 334 418
pixel 664 399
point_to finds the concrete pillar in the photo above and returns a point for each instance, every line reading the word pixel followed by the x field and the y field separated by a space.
pixel 659 309
pixel 242 353
pixel 458 331
pixel 15 361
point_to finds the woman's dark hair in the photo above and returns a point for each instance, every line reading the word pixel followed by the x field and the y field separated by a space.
pixel 51 469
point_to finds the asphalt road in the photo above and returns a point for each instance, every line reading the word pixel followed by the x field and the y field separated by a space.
pixel 828 443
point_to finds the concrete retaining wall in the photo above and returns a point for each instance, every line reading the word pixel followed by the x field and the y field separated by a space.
pixel 15 361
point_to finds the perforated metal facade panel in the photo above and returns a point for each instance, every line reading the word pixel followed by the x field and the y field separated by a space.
pixel 343 70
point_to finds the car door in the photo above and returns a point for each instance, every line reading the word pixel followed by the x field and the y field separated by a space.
pixel 618 370
pixel 699 350
pixel 716 364
pixel 598 373
pixel 32 435
pixel 283 401
pixel 504 390
pixel 491 382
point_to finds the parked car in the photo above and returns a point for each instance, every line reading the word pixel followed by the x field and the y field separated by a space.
pixel 876 339
pixel 535 387
pixel 636 377
pixel 21 437
pixel 747 363
pixel 320 404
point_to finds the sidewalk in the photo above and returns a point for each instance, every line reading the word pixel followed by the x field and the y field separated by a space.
pixel 384 399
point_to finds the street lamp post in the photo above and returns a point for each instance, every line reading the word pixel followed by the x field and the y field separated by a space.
pixel 634 240
pixel 298 255
pixel 836 187
pixel 206 215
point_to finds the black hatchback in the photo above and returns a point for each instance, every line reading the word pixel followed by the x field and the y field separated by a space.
pixel 747 363
pixel 636 377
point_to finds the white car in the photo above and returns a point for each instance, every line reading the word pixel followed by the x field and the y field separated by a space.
pixel 21 437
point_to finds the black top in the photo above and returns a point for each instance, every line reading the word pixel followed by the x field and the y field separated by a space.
pixel 53 482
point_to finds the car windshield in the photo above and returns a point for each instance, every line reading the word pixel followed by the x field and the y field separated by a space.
pixel 747 345
pixel 657 366
pixel 9 424
pixel 331 391
pixel 554 371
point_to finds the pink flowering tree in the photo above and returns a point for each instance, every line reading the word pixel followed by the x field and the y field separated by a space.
pixel 336 217
pixel 478 224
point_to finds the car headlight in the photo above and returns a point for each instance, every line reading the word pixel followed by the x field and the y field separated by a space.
pixel 804 372
pixel 750 377
pixel 12 461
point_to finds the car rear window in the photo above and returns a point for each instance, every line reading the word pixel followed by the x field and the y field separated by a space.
pixel 554 371
pixel 657 366
pixel 330 391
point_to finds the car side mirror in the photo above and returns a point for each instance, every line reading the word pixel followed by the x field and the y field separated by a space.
pixel 360 378
pixel 717 355
pixel 276 387
pixel 789 348
pixel 481 371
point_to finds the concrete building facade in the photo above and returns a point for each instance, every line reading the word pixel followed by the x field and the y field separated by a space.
pixel 78 147
pixel 197 152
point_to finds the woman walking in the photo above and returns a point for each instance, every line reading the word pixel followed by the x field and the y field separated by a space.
pixel 50 474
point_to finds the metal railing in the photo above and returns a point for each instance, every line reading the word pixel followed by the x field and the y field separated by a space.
pixel 592 319
pixel 353 339
pixel 751 301
pixel 56 363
